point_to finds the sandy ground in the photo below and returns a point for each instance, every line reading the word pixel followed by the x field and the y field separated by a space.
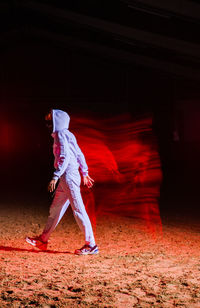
pixel 134 268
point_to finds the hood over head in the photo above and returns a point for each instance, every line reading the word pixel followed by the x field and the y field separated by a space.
pixel 60 120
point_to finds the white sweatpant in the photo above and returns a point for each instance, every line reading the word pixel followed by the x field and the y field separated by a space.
pixel 68 192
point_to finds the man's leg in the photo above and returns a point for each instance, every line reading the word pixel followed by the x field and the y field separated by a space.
pixel 80 214
pixel 57 210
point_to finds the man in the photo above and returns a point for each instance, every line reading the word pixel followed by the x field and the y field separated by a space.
pixel 68 159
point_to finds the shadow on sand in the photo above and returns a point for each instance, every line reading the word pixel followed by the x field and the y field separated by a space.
pixel 7 248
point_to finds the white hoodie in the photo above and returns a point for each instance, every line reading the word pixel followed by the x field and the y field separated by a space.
pixel 68 155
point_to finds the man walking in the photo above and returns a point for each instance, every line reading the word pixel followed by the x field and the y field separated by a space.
pixel 68 159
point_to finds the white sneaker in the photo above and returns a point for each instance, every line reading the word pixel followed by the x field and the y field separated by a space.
pixel 87 250
pixel 37 242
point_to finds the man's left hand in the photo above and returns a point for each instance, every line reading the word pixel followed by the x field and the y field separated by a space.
pixel 52 185
pixel 88 181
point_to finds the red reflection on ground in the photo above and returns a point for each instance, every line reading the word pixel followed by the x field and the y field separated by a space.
pixel 123 159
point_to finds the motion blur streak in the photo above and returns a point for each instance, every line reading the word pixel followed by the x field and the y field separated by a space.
pixel 123 159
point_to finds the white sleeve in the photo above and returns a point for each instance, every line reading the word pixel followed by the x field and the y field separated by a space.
pixel 63 158
pixel 81 160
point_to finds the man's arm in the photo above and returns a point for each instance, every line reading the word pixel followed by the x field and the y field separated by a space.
pixel 82 162
pixel 62 160
pixel 87 180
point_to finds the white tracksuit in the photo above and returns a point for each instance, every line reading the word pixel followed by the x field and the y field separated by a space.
pixel 68 159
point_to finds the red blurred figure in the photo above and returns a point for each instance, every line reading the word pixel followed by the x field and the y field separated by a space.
pixel 123 154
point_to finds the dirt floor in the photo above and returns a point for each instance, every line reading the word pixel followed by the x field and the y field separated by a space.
pixel 135 268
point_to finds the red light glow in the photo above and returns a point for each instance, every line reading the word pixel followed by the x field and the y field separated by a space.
pixel 6 137
pixel 123 159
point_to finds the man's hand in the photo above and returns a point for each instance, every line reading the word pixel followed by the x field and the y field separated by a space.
pixel 52 185
pixel 88 181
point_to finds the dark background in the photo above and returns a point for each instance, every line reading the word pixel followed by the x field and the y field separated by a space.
pixel 104 59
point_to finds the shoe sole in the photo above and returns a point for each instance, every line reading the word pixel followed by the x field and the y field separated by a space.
pixel 30 242
pixel 41 247
pixel 87 253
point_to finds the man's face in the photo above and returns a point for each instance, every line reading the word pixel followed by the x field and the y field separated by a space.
pixel 48 116
pixel 49 122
